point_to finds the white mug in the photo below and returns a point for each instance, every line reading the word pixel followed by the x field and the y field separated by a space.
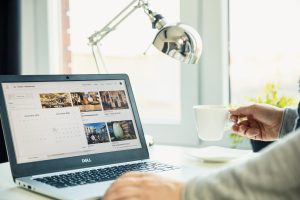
pixel 211 121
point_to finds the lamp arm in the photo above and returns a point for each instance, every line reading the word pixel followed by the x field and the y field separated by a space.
pixel 96 37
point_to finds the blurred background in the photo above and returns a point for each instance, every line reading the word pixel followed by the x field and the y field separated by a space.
pixel 246 45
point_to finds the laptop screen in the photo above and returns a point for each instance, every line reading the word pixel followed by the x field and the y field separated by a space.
pixel 51 120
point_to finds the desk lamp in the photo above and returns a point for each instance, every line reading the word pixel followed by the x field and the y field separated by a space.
pixel 178 40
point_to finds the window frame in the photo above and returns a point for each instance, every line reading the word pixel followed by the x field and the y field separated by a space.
pixel 34 26
pixel 204 83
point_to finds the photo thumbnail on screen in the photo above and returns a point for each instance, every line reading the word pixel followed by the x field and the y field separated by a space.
pixel 96 133
pixel 121 130
pixel 55 100
pixel 87 101
pixel 113 100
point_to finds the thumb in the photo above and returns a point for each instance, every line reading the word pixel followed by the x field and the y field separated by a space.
pixel 242 110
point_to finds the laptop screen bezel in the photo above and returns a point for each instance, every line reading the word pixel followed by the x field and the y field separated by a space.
pixel 70 163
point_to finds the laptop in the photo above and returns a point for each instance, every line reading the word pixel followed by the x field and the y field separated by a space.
pixel 71 136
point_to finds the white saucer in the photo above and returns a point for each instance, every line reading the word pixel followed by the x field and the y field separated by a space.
pixel 218 154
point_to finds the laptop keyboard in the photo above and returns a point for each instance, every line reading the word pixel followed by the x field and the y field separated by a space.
pixel 102 174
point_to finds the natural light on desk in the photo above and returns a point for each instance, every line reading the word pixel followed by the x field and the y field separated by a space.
pixel 169 154
pixel 218 154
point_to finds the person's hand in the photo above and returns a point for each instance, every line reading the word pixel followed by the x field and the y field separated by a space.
pixel 258 121
pixel 146 186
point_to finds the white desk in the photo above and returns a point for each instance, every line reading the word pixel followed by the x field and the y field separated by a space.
pixel 169 154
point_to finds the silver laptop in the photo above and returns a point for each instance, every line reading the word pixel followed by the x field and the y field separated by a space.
pixel 70 136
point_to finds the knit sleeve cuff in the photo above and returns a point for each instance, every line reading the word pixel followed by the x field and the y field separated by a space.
pixel 288 121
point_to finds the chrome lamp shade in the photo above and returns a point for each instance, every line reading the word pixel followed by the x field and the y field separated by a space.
pixel 179 41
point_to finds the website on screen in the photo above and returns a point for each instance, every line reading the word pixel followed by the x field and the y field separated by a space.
pixel 51 120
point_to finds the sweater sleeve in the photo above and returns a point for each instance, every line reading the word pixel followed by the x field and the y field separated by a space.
pixel 288 121
pixel 272 174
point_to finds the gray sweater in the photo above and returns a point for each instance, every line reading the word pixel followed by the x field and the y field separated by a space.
pixel 272 174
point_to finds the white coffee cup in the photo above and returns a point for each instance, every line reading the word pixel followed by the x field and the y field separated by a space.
pixel 211 121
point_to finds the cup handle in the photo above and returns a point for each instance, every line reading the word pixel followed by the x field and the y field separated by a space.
pixel 229 123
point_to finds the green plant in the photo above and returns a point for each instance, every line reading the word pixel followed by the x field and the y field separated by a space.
pixel 269 96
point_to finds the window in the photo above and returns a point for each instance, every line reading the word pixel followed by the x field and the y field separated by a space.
pixel 54 40
pixel 265 47
pixel 155 77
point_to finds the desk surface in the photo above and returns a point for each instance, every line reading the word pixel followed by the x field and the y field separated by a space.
pixel 169 154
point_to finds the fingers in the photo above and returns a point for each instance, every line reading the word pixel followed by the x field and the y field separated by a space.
pixel 135 185
pixel 135 174
pixel 127 186
pixel 248 128
pixel 242 110
pixel 244 124
pixel 126 192
pixel 114 191
pixel 236 119
pixel 132 179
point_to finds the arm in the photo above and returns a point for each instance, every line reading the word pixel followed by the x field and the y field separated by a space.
pixel 288 121
pixel 272 175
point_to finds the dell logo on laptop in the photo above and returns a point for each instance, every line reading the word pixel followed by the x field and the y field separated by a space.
pixel 86 160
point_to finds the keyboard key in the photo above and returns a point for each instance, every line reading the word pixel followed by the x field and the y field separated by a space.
pixel 102 174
